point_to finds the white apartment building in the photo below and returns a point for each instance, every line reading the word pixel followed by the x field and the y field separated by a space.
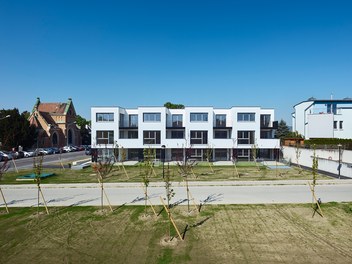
pixel 323 118
pixel 192 131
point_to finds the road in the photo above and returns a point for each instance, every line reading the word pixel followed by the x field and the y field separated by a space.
pixel 49 160
pixel 205 192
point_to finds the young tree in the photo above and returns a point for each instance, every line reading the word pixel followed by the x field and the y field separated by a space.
pixel 147 173
pixel 298 152
pixel 37 167
pixel 209 157
pixel 103 169
pixel 185 169
pixel 254 152
pixel 315 202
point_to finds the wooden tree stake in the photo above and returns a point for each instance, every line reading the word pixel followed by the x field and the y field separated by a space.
pixel 3 197
pixel 170 218
pixel 151 205
pixel 316 200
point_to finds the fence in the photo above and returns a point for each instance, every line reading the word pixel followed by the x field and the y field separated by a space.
pixel 328 159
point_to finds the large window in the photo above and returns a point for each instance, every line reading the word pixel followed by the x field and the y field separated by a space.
pixel 105 137
pixel 122 120
pixel 151 117
pixel 133 120
pixel 199 117
pixel 220 120
pixel 245 117
pixel 105 117
pixel 177 120
pixel 132 134
pixel 151 137
pixel 220 134
pixel 264 120
pixel 199 137
pixel 177 134
pixel 245 137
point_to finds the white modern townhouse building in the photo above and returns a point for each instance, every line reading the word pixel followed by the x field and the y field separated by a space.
pixel 323 118
pixel 192 131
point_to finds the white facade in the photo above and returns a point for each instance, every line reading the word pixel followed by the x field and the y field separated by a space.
pixel 323 118
pixel 229 133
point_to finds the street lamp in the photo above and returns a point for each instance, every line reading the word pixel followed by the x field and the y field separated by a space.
pixel 339 167
pixel 2 118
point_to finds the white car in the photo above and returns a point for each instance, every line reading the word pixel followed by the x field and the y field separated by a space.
pixel 28 154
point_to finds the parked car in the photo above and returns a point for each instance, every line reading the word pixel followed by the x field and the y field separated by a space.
pixel 88 151
pixel 28 154
pixel 55 150
pixel 40 151
pixel 49 151
pixel 3 156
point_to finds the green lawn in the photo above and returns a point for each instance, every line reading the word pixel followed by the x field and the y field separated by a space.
pixel 244 171
pixel 218 234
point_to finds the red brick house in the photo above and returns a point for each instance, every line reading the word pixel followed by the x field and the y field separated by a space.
pixel 55 123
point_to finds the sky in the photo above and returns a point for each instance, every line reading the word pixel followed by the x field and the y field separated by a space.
pixel 272 54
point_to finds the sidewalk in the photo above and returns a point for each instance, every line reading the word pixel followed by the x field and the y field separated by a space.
pixel 179 184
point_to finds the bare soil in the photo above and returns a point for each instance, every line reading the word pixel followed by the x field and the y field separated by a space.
pixel 218 234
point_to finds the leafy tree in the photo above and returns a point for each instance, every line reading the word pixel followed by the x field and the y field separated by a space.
pixel 16 130
pixel 84 129
pixel 282 130
pixel 170 105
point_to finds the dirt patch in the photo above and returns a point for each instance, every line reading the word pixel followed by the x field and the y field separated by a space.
pixel 166 241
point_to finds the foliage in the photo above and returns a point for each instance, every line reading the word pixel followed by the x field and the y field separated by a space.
pixel 15 130
pixel 282 130
pixel 84 129
pixel 170 105
pixel 329 143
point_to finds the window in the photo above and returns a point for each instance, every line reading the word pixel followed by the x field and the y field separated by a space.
pixel 220 154
pixel 105 117
pixel 105 137
pixel 199 117
pixel 245 137
pixel 132 134
pixel 264 120
pixel 177 134
pixel 220 120
pixel 197 154
pixel 177 120
pixel 151 117
pixel 122 120
pixel 341 124
pixel 151 137
pixel 335 124
pixel 243 153
pixel 266 134
pixel 220 134
pixel 245 117
pixel 133 120
pixel 199 137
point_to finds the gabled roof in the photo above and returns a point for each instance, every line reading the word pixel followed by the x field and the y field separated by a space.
pixel 52 108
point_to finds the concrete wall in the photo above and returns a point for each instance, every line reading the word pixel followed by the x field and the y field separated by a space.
pixel 328 160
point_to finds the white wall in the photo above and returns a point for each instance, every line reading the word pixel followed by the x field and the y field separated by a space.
pixel 328 160
pixel 320 126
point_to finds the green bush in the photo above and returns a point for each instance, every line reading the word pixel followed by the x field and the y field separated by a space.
pixel 330 143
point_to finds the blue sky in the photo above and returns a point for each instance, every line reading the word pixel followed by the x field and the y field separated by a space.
pixel 197 53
